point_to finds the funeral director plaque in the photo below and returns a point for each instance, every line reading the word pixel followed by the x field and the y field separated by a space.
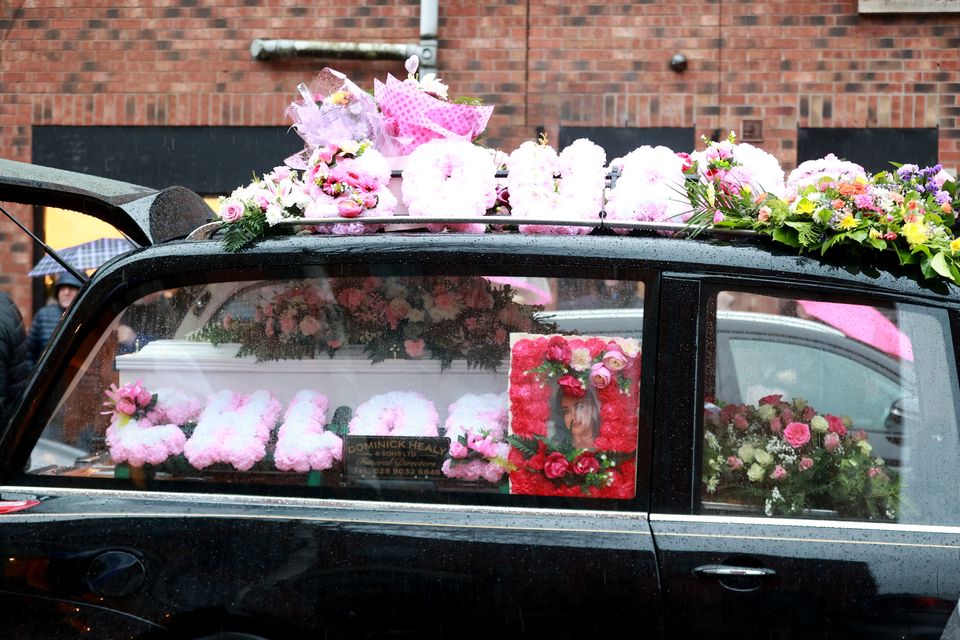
pixel 394 457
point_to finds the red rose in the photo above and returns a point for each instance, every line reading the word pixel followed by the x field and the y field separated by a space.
pixel 558 350
pixel 586 462
pixel 836 425
pixel 556 465
pixel 771 399
pixel 571 386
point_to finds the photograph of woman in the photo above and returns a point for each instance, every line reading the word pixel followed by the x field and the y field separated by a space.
pixel 575 418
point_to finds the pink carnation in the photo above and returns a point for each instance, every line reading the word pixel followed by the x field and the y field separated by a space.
pixel 831 441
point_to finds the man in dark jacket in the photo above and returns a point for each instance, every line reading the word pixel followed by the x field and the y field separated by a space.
pixel 14 366
pixel 45 321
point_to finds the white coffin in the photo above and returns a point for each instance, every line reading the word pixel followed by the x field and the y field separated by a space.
pixel 201 369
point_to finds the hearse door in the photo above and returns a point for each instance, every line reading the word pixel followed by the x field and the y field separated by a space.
pixel 757 534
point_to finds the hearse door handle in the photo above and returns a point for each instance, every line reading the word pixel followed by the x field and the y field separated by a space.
pixel 729 571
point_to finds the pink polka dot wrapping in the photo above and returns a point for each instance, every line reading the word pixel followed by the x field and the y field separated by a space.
pixel 415 117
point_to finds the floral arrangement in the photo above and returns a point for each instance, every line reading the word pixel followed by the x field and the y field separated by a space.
pixel 418 110
pixel 342 171
pixel 303 442
pixel 569 185
pixel 398 413
pixel 450 178
pixel 233 428
pixel 347 179
pixel 477 427
pixel 786 457
pixel 650 186
pixel 445 318
pixel 146 428
pixel 546 463
pixel 907 213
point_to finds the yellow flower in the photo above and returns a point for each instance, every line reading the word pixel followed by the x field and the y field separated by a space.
pixel 762 457
pixel 805 206
pixel 955 245
pixel 875 234
pixel 848 222
pixel 915 233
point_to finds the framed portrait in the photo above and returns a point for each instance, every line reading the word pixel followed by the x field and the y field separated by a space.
pixel 574 404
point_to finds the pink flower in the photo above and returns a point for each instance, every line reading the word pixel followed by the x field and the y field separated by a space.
pixel 687 161
pixel 734 463
pixel 227 321
pixel 797 434
pixel 558 350
pixel 232 210
pixel 763 215
pixel 836 425
pixel 309 326
pixel 805 463
pixel 807 413
pixel 556 465
pixel 586 462
pixel 614 359
pixel 831 441
pixel 599 375
pixel 414 348
pixel 351 298
pixel 776 426
pixel 778 473
pixel 457 450
pixel 771 399
pixel 347 208
pixel 288 325
pixel 859 435
pixel 126 407
pixel 571 386
pixel 740 422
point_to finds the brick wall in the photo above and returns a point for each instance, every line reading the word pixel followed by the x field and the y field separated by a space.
pixel 542 62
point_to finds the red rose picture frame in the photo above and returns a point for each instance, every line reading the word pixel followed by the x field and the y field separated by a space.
pixel 574 408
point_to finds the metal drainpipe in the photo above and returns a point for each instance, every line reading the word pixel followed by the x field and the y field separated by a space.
pixel 426 50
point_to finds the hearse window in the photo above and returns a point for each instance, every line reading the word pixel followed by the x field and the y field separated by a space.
pixel 830 409
pixel 424 384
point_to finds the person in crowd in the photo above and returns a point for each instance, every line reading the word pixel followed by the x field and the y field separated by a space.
pixel 45 321
pixel 14 366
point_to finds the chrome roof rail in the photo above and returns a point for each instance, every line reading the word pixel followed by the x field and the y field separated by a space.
pixel 207 231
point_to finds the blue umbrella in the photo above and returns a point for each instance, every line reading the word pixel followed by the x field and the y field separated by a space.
pixel 88 255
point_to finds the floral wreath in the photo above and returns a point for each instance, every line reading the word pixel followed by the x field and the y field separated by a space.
pixel 477 426
pixel 397 413
pixel 448 178
pixel 544 467
pixel 303 442
pixel 146 428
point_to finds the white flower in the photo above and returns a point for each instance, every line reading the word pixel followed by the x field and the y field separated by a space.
pixel 274 214
pixel 580 359
pixel 762 457
pixel 819 423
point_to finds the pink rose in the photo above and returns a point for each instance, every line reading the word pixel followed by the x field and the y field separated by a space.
pixel 457 450
pixel 309 326
pixel 571 386
pixel 778 473
pixel 771 399
pixel 740 422
pixel 615 360
pixel 232 210
pixel 831 441
pixel 775 425
pixel 288 325
pixel 227 321
pixel 558 350
pixel 807 413
pixel 734 463
pixel 370 200
pixel 414 348
pixel 836 425
pixel 797 434
pixel 599 375
pixel 348 208
pixel 805 463
pixel 585 463
pixel 556 465
pixel 126 407
pixel 859 435
pixel 763 215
